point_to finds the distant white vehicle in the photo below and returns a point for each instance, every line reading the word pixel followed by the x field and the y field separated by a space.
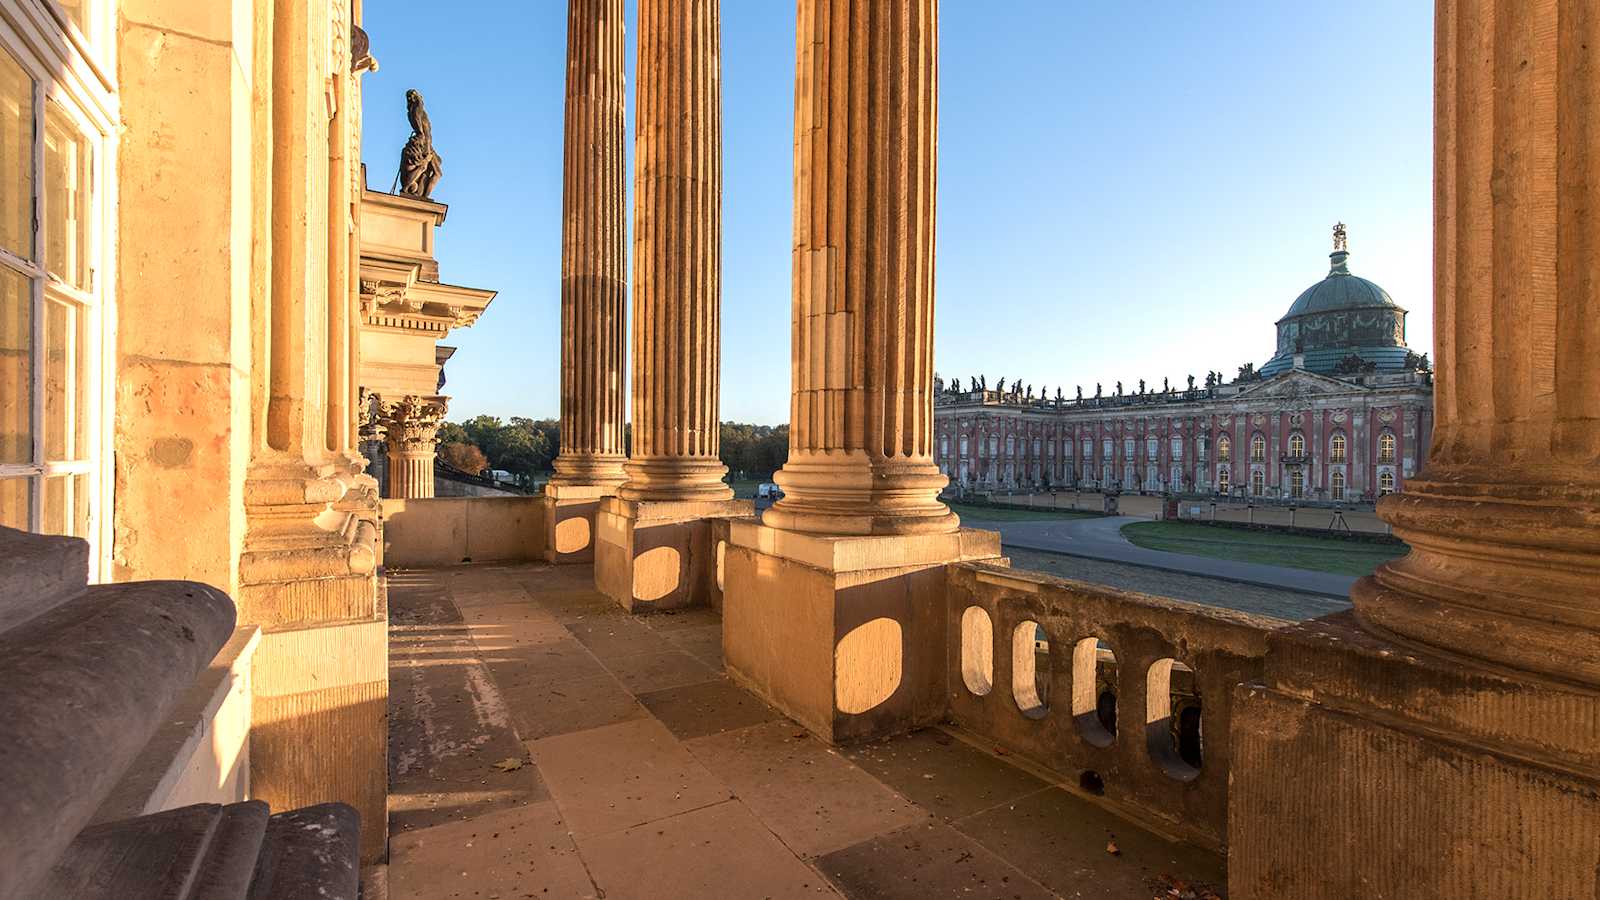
pixel 767 494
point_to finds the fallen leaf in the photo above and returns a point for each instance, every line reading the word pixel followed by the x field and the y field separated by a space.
pixel 1113 849
pixel 509 764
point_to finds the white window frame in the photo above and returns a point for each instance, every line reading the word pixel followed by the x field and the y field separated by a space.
pixel 70 69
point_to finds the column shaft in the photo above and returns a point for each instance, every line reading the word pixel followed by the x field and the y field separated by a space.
pixel 593 257
pixel 677 255
pixel 861 415
pixel 1504 519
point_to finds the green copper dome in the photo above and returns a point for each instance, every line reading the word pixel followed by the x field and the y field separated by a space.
pixel 1340 291
pixel 1341 316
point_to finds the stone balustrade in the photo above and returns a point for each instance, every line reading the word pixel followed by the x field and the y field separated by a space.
pixel 1124 694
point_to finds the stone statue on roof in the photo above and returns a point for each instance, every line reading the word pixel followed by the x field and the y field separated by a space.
pixel 1340 238
pixel 421 167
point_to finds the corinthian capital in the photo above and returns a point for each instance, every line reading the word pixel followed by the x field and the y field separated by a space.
pixel 412 422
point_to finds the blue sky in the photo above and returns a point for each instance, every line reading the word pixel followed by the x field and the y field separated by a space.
pixel 1126 190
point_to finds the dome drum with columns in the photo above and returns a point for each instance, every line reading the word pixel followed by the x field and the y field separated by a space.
pixel 1340 316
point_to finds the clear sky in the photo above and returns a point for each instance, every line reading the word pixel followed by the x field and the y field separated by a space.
pixel 1126 190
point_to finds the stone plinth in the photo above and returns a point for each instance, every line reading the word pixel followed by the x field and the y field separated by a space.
pixel 843 634
pixel 1367 768
pixel 569 520
pixel 652 555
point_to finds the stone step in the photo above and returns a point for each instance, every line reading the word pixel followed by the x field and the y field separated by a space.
pixel 212 852
pixel 38 572
pixel 86 685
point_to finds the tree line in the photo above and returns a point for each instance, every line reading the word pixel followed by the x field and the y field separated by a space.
pixel 526 448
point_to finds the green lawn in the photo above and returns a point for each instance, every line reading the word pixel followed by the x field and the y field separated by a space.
pixel 1297 551
pixel 1015 513
pixel 745 488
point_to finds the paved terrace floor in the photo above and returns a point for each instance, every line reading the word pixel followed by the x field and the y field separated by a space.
pixel 544 744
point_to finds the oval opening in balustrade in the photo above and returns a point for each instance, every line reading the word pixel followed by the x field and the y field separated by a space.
pixel 722 555
pixel 1173 719
pixel 1030 669
pixel 977 650
pixel 1094 691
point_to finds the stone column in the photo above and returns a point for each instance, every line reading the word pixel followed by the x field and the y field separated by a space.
pixel 833 607
pixel 594 289
pixel 653 540
pixel 412 426
pixel 1459 706
pixel 1504 518
pixel 861 414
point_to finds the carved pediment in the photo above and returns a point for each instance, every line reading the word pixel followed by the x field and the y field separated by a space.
pixel 1296 384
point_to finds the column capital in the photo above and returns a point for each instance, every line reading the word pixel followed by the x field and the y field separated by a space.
pixel 412 422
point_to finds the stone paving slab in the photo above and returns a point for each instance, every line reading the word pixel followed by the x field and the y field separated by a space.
pixel 520 852
pixel 927 860
pixel 708 707
pixel 1065 841
pixel 946 776
pixel 812 798
pixel 659 670
pixel 715 851
pixel 617 776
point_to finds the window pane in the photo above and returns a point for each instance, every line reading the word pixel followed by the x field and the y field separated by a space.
pixel 14 502
pixel 16 368
pixel 66 198
pixel 16 157
pixel 63 382
pixel 66 505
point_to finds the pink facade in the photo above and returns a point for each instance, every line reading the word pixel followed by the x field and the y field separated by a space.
pixel 1298 436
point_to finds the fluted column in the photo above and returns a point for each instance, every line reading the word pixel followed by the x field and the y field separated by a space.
pixel 677 255
pixel 861 415
pixel 594 291
pixel 1504 519
pixel 412 426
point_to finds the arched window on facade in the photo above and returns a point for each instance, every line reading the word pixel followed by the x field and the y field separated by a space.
pixel 994 445
pixel 1152 447
pixel 1200 446
pixel 1223 477
pixel 1385 483
pixel 1297 444
pixel 1110 448
pixel 1177 448
pixel 1337 448
pixel 1386 447
pixel 1336 485
pixel 1011 445
pixel 1258 449
pixel 963 445
pixel 1297 483
pixel 1224 448
pixel 1258 483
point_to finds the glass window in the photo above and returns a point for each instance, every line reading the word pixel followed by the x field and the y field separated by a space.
pixel 1224 448
pixel 16 368
pixel 1336 485
pixel 1386 448
pixel 16 158
pixel 1385 482
pixel 1297 483
pixel 963 445
pixel 1297 444
pixel 1223 475
pixel 1258 483
pixel 1258 448
pixel 67 160
pixel 1152 447
pixel 1336 448
pixel 49 309
pixel 1177 448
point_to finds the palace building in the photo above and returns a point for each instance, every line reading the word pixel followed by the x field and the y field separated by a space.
pixel 1342 412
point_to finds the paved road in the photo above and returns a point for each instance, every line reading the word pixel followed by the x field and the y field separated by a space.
pixel 1101 538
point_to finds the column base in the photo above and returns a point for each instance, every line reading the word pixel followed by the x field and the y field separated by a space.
pixel 1364 767
pixel 846 635
pixel 653 555
pixel 569 520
